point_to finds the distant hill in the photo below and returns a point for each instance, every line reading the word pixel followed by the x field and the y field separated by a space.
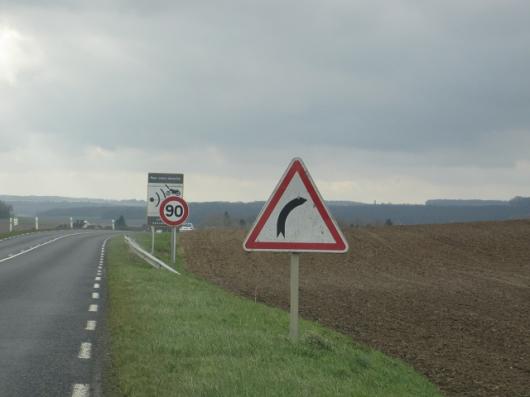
pixel 465 203
pixel 34 205
pixel 221 213
pixel 515 202
pixel 97 211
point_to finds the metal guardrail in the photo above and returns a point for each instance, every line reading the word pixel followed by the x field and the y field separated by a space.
pixel 146 256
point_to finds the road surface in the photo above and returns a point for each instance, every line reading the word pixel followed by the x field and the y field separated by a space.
pixel 52 304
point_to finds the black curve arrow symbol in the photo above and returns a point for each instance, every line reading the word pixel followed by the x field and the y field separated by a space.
pixel 284 213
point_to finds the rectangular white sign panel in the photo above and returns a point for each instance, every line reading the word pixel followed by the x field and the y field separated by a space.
pixel 159 186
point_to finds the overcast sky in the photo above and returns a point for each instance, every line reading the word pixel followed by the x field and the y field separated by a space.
pixel 394 101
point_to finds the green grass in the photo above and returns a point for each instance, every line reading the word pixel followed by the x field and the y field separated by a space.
pixel 14 233
pixel 162 246
pixel 181 336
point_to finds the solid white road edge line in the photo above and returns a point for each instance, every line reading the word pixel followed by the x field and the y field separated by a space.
pixel 38 246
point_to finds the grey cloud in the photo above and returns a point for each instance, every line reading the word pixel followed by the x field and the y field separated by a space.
pixel 405 77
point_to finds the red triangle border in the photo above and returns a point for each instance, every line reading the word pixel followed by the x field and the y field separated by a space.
pixel 339 246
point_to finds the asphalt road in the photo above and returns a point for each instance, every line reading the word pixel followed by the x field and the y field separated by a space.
pixel 47 287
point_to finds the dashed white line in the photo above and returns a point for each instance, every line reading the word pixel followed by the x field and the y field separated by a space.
pixel 96 285
pixel 85 351
pixel 90 325
pixel 95 295
pixel 97 278
pixel 81 390
pixel 93 308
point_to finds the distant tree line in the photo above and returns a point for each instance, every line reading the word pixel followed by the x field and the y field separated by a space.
pixel 5 210
pixel 120 223
pixel 238 214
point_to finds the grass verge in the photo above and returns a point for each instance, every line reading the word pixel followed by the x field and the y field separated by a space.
pixel 16 233
pixel 181 336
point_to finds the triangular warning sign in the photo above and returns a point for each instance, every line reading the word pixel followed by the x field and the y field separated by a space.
pixel 295 218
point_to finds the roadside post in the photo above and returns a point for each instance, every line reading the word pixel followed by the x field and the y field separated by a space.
pixel 294 287
pixel 295 220
pixel 71 223
pixel 36 223
pixel 173 244
pixel 113 224
pixel 152 240
pixel 10 225
pixel 173 212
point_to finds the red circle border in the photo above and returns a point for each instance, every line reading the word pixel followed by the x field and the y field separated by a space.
pixel 184 205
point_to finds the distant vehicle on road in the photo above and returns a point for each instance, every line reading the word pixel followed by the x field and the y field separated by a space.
pixel 186 227
pixel 80 224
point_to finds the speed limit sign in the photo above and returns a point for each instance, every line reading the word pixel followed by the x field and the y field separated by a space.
pixel 173 211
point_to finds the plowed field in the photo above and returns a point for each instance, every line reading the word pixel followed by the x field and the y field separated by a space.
pixel 451 300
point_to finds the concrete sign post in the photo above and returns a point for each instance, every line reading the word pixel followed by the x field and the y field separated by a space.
pixel 295 219
pixel 152 240
pixel 173 245
pixel 173 211
pixel 293 323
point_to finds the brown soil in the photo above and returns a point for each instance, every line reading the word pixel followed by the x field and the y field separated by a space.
pixel 451 300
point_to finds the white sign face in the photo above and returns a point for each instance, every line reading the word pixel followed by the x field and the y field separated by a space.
pixel 15 221
pixel 302 223
pixel 295 218
pixel 159 187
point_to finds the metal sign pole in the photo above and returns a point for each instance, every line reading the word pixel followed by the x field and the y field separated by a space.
pixel 152 240
pixel 293 323
pixel 174 244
